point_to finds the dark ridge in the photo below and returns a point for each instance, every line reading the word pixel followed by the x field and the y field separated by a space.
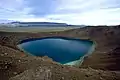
pixel 39 23
pixel 44 24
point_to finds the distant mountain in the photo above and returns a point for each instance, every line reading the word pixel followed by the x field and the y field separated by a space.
pixel 44 24
pixel 13 23
pixel 38 24
pixel 5 21
pixel 29 24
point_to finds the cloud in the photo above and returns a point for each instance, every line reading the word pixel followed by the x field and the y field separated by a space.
pixel 14 9
pixel 42 8
pixel 95 17
pixel 90 12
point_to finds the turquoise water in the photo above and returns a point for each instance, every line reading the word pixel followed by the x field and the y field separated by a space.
pixel 60 49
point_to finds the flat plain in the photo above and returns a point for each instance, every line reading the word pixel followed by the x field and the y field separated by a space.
pixel 35 29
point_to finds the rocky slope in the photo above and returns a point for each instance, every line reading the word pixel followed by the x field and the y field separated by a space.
pixel 103 64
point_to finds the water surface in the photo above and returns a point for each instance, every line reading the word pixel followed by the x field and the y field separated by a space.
pixel 64 50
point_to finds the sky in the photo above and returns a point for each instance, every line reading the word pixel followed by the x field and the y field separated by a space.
pixel 79 12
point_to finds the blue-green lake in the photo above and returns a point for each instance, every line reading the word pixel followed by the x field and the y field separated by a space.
pixel 68 51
